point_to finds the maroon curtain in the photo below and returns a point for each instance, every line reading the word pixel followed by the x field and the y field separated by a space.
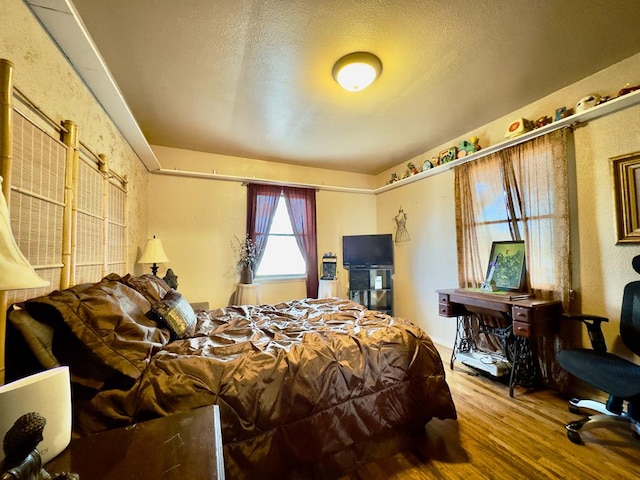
pixel 262 201
pixel 301 203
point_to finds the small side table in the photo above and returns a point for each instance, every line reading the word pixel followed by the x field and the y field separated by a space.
pixel 328 288
pixel 248 294
pixel 176 447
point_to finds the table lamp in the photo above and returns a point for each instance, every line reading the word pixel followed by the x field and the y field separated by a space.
pixel 154 254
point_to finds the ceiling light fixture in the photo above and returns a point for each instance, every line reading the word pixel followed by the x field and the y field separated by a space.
pixel 356 71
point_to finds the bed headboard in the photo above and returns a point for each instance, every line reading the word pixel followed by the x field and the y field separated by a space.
pixel 72 227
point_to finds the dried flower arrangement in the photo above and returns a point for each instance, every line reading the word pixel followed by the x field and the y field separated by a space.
pixel 247 251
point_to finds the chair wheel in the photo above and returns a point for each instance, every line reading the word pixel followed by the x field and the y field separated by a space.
pixel 574 437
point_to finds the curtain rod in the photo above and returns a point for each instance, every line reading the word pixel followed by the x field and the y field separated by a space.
pixel 263 181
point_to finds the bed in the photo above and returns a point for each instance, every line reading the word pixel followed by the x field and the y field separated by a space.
pixel 301 385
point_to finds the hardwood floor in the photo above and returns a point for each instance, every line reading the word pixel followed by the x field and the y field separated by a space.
pixel 498 437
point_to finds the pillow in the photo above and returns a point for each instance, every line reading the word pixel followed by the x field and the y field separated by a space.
pixel 37 335
pixel 177 314
pixel 110 321
pixel 151 287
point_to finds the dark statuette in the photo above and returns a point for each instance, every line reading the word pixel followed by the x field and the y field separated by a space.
pixel 22 459
pixel 171 279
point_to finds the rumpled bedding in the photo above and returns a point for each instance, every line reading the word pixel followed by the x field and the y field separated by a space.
pixel 296 382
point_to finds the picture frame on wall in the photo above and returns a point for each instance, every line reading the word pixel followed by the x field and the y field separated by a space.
pixel 625 173
pixel 507 266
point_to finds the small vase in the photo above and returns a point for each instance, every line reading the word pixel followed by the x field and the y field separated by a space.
pixel 246 275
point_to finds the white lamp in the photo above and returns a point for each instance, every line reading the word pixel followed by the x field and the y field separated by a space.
pixel 356 71
pixel 15 270
pixel 154 254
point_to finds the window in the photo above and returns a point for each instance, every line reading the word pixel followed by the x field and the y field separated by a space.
pixel 282 255
pixel 517 194
pixel 299 207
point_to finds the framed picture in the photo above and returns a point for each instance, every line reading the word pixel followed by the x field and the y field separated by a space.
pixel 506 267
pixel 625 172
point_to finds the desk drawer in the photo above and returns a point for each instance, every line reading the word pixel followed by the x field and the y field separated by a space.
pixel 522 329
pixel 539 328
pixel 448 309
pixel 521 314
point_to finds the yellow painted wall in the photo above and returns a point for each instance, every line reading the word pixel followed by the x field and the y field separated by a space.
pixel 600 267
pixel 197 220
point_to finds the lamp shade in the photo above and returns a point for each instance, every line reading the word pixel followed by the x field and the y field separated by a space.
pixel 47 393
pixel 15 270
pixel 153 252
pixel 356 71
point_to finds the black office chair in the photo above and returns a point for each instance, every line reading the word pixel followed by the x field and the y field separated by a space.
pixel 614 375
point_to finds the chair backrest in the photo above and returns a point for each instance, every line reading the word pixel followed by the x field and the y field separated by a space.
pixel 630 315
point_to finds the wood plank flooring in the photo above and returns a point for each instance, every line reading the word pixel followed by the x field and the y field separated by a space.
pixel 497 437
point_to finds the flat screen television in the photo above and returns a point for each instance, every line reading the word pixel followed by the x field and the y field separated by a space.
pixel 367 250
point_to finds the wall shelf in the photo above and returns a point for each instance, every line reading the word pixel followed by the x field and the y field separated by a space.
pixel 614 105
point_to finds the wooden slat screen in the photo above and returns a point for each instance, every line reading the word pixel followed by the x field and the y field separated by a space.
pixel 37 201
pixel 90 221
pixel 117 229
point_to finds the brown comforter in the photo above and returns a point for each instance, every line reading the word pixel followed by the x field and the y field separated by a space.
pixel 296 382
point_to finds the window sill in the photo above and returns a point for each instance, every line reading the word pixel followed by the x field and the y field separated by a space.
pixel 280 278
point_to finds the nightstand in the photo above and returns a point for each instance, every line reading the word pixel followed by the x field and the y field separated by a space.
pixel 182 446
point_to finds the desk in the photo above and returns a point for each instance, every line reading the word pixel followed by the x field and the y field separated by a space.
pixel 176 447
pixel 248 294
pixel 526 319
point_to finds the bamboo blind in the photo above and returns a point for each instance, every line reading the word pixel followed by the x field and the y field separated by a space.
pixel 89 217
pixel 117 227
pixel 37 202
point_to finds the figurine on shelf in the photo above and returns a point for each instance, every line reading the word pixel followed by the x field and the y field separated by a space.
pixel 412 168
pixel 587 102
pixel 448 154
pixel 542 121
pixel 518 127
pixel 394 178
pixel 467 148
pixel 427 165
pixel 561 113
pixel 628 89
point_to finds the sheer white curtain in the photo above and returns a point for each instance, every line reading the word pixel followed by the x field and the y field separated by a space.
pixel 519 193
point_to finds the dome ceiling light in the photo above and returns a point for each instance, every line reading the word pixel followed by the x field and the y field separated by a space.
pixel 356 71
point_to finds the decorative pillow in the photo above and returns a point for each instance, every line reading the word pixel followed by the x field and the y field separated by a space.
pixel 151 287
pixel 37 335
pixel 109 321
pixel 177 314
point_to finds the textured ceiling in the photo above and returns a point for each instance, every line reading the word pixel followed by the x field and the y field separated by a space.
pixel 253 78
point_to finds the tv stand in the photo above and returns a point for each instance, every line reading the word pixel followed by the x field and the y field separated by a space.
pixel 372 287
